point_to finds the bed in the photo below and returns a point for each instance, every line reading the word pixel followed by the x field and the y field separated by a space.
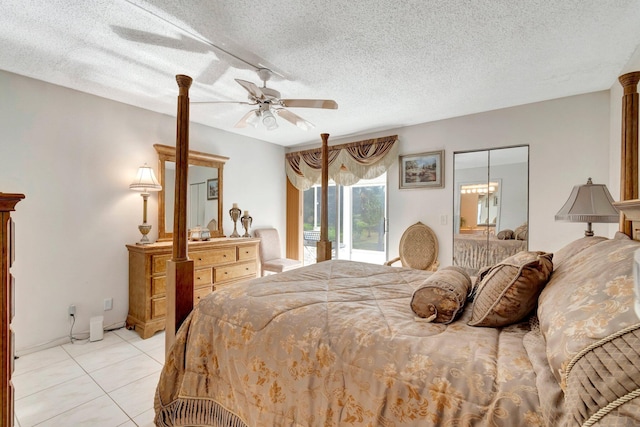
pixel 538 339
pixel 474 252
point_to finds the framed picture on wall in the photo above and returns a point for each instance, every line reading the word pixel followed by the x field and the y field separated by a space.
pixel 423 170
pixel 212 189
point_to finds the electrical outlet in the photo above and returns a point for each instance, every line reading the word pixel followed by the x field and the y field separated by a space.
pixel 72 310
pixel 443 219
pixel 108 304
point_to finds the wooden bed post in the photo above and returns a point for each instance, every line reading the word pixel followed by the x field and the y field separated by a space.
pixel 180 268
pixel 629 147
pixel 323 246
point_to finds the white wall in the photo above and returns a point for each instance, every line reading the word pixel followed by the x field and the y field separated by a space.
pixel 74 155
pixel 569 142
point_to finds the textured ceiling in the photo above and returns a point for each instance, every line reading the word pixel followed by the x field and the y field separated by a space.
pixel 388 63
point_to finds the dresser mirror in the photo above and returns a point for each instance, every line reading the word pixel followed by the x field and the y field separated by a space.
pixel 491 194
pixel 204 193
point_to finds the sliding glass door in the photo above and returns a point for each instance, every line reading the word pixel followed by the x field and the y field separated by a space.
pixel 357 227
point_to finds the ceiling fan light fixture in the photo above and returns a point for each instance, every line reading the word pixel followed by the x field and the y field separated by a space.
pixel 254 119
pixel 269 120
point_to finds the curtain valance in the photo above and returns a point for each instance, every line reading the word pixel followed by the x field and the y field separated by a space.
pixel 348 163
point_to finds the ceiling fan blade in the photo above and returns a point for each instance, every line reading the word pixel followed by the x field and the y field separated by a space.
pixel 244 121
pixel 309 103
pixel 294 118
pixel 250 87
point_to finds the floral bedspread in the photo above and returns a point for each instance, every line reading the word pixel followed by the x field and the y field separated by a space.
pixel 336 344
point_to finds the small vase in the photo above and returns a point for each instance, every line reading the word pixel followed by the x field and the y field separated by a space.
pixel 246 223
pixel 235 212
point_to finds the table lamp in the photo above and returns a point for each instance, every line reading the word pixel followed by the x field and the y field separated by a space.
pixel 145 182
pixel 589 203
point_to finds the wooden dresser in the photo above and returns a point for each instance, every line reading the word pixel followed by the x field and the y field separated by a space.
pixel 217 262
pixel 7 253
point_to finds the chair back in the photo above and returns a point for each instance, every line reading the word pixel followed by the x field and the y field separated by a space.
pixel 418 247
pixel 269 243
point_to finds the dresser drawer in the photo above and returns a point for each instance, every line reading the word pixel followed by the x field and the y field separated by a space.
pixel 214 256
pixel 158 286
pixel 246 253
pixel 159 264
pixel 158 307
pixel 202 276
pixel 233 272
pixel 200 293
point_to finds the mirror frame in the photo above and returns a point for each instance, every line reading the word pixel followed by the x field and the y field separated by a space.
pixel 167 153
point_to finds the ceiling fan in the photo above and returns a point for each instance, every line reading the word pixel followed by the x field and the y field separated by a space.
pixel 270 104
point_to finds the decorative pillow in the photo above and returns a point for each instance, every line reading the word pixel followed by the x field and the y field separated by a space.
pixel 522 232
pixel 588 298
pixel 505 234
pixel 574 248
pixel 442 296
pixel 509 291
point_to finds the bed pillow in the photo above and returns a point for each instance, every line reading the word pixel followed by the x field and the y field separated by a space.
pixel 442 296
pixel 589 298
pixel 505 234
pixel 522 232
pixel 574 248
pixel 509 290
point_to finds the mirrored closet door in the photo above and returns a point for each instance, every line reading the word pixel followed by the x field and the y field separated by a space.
pixel 490 206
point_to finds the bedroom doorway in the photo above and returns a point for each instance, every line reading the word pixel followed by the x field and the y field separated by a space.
pixel 357 226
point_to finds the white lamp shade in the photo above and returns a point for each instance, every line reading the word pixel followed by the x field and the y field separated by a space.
pixel 269 120
pixel 589 203
pixel 254 119
pixel 145 180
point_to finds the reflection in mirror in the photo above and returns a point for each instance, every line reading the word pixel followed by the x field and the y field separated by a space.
pixel 204 195
pixel 201 209
pixel 479 206
pixel 490 206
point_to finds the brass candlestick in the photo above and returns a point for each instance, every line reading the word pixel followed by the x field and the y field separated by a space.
pixel 235 212
pixel 246 221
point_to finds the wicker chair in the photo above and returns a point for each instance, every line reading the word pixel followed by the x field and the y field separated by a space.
pixel 418 248
pixel 270 253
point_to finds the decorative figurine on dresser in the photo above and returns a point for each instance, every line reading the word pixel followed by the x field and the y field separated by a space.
pixel 234 213
pixel 7 255
pixel 246 223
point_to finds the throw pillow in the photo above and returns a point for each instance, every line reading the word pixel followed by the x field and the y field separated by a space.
pixel 522 232
pixel 572 249
pixel 505 234
pixel 509 291
pixel 442 296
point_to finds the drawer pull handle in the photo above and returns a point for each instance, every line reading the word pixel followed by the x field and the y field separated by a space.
pixel 199 259
pixel 226 272
pixel 224 255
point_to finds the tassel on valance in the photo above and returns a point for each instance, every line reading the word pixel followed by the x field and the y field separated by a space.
pixel 348 163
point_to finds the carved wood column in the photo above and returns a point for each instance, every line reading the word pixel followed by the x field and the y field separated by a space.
pixel 323 246
pixel 629 146
pixel 180 268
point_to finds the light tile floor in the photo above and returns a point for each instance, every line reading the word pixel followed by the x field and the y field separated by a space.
pixel 107 383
